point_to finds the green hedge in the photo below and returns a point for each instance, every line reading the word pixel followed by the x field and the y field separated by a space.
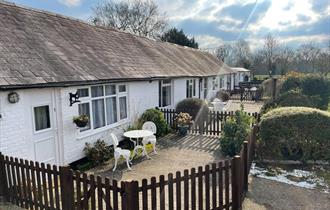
pixel 297 133
pixel 192 106
pixel 157 117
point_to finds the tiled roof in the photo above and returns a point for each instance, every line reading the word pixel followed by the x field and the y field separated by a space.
pixel 39 48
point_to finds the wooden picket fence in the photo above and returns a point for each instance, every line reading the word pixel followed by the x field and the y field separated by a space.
pixel 220 185
pixel 210 123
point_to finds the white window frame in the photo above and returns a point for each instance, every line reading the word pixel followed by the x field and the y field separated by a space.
pixel 169 84
pixel 34 120
pixel 215 83
pixel 191 88
pixel 89 100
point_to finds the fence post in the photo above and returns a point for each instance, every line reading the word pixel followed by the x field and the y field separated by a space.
pixel 67 190
pixel 246 165
pixel 235 182
pixel 131 195
pixel 274 88
pixel 3 180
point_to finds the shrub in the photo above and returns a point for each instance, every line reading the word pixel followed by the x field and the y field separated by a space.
pixel 298 133
pixel 98 153
pixel 317 86
pixel 235 131
pixel 192 106
pixel 157 117
pixel 223 95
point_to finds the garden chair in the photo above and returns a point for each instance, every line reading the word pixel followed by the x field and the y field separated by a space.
pixel 118 152
pixel 150 126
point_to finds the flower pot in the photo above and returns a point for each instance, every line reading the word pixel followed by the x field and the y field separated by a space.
pixel 183 130
pixel 81 124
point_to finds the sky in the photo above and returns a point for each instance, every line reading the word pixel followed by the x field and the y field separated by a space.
pixel 214 22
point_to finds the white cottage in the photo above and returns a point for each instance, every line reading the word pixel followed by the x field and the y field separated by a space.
pixel 46 58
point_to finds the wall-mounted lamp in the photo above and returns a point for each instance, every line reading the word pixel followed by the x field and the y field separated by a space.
pixel 13 97
pixel 74 98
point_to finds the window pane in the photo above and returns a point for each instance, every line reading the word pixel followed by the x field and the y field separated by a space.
pixel 111 110
pixel 194 87
pixel 97 91
pixel 123 107
pixel 41 117
pixel 84 110
pixel 122 88
pixel 167 81
pixel 110 90
pixel 98 113
pixel 83 92
pixel 166 92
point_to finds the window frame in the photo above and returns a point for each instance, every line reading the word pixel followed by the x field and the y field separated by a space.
pixel 191 88
pixel 35 131
pixel 104 97
pixel 215 83
pixel 162 84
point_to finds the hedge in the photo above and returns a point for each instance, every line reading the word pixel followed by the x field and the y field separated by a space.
pixel 157 117
pixel 193 106
pixel 297 133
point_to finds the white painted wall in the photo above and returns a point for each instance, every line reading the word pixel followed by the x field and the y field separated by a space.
pixel 16 124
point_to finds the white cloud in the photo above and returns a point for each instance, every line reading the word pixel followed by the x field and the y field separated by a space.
pixel 70 3
pixel 207 42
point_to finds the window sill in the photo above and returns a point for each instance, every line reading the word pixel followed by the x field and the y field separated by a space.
pixel 88 133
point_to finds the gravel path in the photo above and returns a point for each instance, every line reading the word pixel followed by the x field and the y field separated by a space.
pixel 271 195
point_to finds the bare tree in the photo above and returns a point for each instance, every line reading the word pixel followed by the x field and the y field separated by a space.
pixel 284 59
pixel 323 61
pixel 223 51
pixel 242 54
pixel 270 51
pixel 308 53
pixel 140 17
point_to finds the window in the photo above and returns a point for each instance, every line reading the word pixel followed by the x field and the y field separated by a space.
pixel 84 110
pixel 82 93
pixel 222 81
pixel 108 105
pixel 205 87
pixel 41 118
pixel 214 83
pixel 165 93
pixel 191 88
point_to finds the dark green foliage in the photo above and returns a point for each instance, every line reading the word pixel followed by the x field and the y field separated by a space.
pixel 298 90
pixel 291 83
pixel 317 86
pixel 292 98
pixel 193 106
pixel 298 133
pixel 99 152
pixel 235 131
pixel 157 117
pixel 224 96
pixel 178 37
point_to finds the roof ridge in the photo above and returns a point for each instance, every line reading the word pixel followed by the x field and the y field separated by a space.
pixel 110 28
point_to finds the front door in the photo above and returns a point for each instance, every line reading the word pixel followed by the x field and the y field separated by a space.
pixel 43 127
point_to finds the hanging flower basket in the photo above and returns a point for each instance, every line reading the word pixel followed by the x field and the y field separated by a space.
pixel 81 121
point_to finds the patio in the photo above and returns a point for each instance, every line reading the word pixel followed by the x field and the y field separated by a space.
pixel 174 153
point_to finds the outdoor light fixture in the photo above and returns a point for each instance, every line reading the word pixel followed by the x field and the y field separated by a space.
pixel 73 98
pixel 13 97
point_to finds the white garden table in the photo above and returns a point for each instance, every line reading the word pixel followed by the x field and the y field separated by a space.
pixel 135 136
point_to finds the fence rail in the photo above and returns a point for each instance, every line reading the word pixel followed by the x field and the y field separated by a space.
pixel 210 123
pixel 220 185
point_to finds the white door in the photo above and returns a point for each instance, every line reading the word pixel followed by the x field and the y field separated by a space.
pixel 44 146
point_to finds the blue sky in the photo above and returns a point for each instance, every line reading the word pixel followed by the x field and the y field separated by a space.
pixel 213 22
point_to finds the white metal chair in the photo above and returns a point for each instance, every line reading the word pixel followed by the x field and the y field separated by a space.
pixel 150 126
pixel 118 152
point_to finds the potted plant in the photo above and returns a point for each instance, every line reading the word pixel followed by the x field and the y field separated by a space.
pixel 81 120
pixel 183 121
